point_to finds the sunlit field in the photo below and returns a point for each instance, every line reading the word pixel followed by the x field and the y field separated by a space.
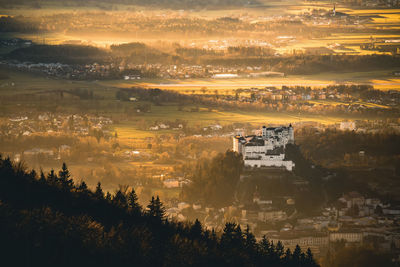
pixel 206 117
pixel 28 83
pixel 200 132
pixel 335 103
pixel 314 81
pixel 387 84
pixel 379 19
pixel 128 132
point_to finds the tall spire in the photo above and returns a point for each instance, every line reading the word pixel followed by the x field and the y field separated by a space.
pixel 334 9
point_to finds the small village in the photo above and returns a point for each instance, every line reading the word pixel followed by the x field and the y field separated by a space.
pixel 200 133
pixel 354 219
pixel 53 124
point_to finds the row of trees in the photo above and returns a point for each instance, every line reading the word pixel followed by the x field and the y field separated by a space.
pixel 213 99
pixel 311 64
pixel 333 145
pixel 139 53
pixel 67 54
pixel 50 220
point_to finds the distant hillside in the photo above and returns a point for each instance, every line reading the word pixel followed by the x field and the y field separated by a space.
pixel 180 4
pixel 172 4
pixel 139 53
pixel 66 54
pixel 47 220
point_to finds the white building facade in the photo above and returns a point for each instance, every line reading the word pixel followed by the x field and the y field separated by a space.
pixel 267 149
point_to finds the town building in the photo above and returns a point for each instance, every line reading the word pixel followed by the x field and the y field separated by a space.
pixel 348 236
pixel 267 149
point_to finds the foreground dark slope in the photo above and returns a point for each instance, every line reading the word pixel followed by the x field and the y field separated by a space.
pixel 49 221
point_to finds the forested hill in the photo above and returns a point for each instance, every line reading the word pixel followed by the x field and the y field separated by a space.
pixel 65 54
pixel 47 220
pixel 172 4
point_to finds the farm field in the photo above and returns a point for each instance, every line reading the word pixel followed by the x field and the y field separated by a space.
pixel 383 80
pixel 380 19
pixel 335 103
pixel 128 131
pixel 31 83
pixel 28 83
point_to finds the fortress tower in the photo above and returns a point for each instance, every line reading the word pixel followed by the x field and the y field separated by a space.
pixel 267 149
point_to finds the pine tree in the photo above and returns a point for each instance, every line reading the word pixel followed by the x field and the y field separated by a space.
pixel 120 199
pixel 83 186
pixel 238 234
pixel 265 244
pixel 32 174
pixel 287 258
pixel 99 192
pixel 227 235
pixel 272 250
pixel 42 178
pixel 310 258
pixel 232 237
pixel 133 200
pixel 213 235
pixel 108 197
pixel 160 211
pixel 52 177
pixel 133 204
pixel 155 208
pixel 268 248
pixel 296 253
pixel 302 260
pixel 64 177
pixel 279 249
pixel 250 240
pixel 196 230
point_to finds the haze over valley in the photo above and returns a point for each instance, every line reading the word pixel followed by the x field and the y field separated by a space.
pixel 200 133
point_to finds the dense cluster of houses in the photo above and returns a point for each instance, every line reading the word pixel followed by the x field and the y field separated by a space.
pixel 166 126
pixel 133 71
pixel 371 222
pixel 307 100
pixel 68 71
pixel 51 123
pixel 359 126
pixel 375 126
pixel 285 93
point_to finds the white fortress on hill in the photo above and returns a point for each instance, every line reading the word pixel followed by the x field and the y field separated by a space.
pixel 267 149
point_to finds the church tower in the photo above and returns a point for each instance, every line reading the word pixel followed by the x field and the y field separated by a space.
pixel 291 134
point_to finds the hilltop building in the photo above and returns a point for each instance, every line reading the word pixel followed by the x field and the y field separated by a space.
pixel 267 149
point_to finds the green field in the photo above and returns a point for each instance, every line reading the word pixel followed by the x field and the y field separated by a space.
pixel 32 83
pixel 382 80
pixel 29 83
pixel 226 117
pixel 335 103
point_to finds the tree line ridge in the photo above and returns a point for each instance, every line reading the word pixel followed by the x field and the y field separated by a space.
pixel 49 220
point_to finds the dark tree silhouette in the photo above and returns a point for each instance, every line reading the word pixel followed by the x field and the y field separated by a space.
pixel 99 191
pixel 155 208
pixel 45 224
pixel 64 176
